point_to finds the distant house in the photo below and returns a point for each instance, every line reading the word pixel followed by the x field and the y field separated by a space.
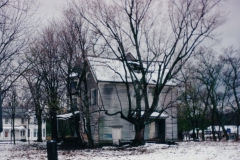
pixel 107 92
pixel 25 125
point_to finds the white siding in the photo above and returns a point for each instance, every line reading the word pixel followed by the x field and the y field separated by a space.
pixel 21 130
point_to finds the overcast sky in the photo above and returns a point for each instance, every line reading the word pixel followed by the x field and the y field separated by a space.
pixel 230 31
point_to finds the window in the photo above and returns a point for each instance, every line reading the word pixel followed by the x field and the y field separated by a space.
pixel 22 121
pixel 75 104
pixel 73 87
pixel 151 90
pixel 35 120
pixel 35 133
pixel 22 133
pixel 43 120
pixel 133 128
pixel 135 66
pixel 43 133
pixel 6 134
pixel 88 75
pixel 84 125
pixel 93 97
pixel 6 120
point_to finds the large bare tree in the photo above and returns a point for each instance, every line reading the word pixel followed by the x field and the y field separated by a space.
pixel 45 60
pixel 166 38
pixel 193 102
pixel 232 80
pixel 15 26
pixel 209 71
pixel 76 40
pixel 34 91
pixel 12 109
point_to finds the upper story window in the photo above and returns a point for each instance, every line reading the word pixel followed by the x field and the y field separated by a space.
pixel 22 120
pixel 135 66
pixel 93 96
pixel 88 75
pixel 151 90
pixel 73 85
pixel 43 134
pixel 35 120
pixel 6 121
pixel 43 120
pixel 75 103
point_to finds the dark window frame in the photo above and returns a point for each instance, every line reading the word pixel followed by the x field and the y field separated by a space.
pixel 93 96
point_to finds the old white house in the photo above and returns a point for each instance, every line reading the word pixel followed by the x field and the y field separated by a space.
pixel 25 125
pixel 107 92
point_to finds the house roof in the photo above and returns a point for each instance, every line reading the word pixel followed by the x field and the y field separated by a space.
pixel 19 112
pixel 112 70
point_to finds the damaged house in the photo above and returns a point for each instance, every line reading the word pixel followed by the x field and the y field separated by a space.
pixel 108 98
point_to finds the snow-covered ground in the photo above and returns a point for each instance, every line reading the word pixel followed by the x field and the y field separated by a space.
pixel 183 151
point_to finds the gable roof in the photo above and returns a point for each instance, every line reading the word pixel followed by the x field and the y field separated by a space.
pixel 112 70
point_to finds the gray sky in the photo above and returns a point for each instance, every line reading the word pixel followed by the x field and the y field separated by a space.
pixel 229 32
pixel 231 29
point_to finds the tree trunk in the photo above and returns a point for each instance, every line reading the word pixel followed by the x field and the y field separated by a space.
pixel 194 134
pixel 139 135
pixel 202 124
pixel 13 126
pixel 76 123
pixel 203 135
pixel 193 129
pixel 225 132
pixel 53 125
pixel 13 131
pixel 219 118
pixel 87 104
pixel 89 132
pixel 237 136
pixel 76 128
pixel 39 122
pixel 213 131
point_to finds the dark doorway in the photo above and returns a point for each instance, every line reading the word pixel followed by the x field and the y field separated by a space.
pixel 161 130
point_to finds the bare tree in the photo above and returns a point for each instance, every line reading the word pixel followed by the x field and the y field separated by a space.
pixel 12 109
pixel 210 73
pixel 46 58
pixel 232 80
pixel 193 102
pixel 135 26
pixel 35 95
pixel 15 26
pixel 75 41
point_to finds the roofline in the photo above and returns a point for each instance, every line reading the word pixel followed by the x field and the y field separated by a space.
pixel 128 82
